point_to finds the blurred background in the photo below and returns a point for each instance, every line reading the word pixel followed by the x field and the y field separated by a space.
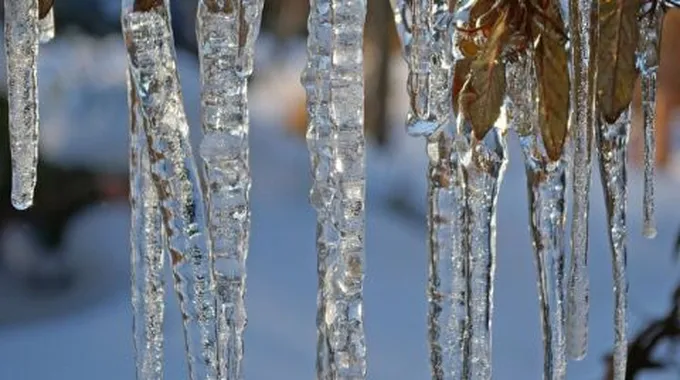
pixel 64 264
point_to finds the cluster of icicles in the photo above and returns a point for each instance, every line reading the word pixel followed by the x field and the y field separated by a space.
pixel 202 224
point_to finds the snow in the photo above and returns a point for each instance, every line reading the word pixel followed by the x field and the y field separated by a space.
pixel 88 335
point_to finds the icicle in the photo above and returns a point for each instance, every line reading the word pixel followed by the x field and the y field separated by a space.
pixel 546 185
pixel 425 28
pixel 333 79
pixel 46 27
pixel 147 242
pixel 483 167
pixel 447 285
pixel 612 142
pixel 582 136
pixel 21 46
pixel 226 43
pixel 152 62
pixel 648 64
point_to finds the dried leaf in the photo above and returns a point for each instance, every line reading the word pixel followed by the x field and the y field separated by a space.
pixel 146 5
pixel 461 73
pixel 44 7
pixel 483 93
pixel 616 56
pixel 551 63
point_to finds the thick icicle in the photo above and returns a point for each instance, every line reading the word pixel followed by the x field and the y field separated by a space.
pixel 426 39
pixel 147 243
pixel 333 79
pixel 612 143
pixel 483 165
pixel 648 64
pixel 226 42
pixel 546 185
pixel 447 285
pixel 21 46
pixel 46 27
pixel 583 91
pixel 152 62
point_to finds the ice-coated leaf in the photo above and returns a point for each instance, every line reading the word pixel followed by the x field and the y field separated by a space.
pixel 550 60
pixel 617 43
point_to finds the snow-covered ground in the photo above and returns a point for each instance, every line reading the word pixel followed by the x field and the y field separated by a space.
pixel 93 340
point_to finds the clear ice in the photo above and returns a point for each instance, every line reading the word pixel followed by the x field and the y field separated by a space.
pixel 546 187
pixel 483 165
pixel 46 27
pixel 333 79
pixel 146 248
pixel 226 37
pixel 425 28
pixel 582 126
pixel 22 37
pixel 174 173
pixel 447 280
pixel 612 141
pixel 648 65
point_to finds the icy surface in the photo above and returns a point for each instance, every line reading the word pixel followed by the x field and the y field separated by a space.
pixel 152 63
pixel 21 47
pixel 86 334
pixel 46 27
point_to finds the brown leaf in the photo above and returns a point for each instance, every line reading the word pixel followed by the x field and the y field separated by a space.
pixel 146 5
pixel 551 63
pixel 44 7
pixel 461 72
pixel 616 56
pixel 482 95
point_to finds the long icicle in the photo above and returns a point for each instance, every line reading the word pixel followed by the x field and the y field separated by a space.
pixel 648 65
pixel 21 45
pixel 146 246
pixel 546 187
pixel 151 59
pixel 583 90
pixel 613 152
pixel 429 90
pixel 483 172
pixel 336 142
pixel 447 286
pixel 226 38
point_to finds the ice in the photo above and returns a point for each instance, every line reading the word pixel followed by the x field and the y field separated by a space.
pixel 226 42
pixel 21 47
pixel 546 188
pixel 147 245
pixel 46 27
pixel 582 125
pixel 333 79
pixel 175 175
pixel 612 143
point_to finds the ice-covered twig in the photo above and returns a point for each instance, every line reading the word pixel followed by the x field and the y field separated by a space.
pixel 612 151
pixel 648 65
pixel 546 187
pixel 152 63
pixel 582 126
pixel 226 38
pixel 333 79
pixel 147 245
pixel 21 45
